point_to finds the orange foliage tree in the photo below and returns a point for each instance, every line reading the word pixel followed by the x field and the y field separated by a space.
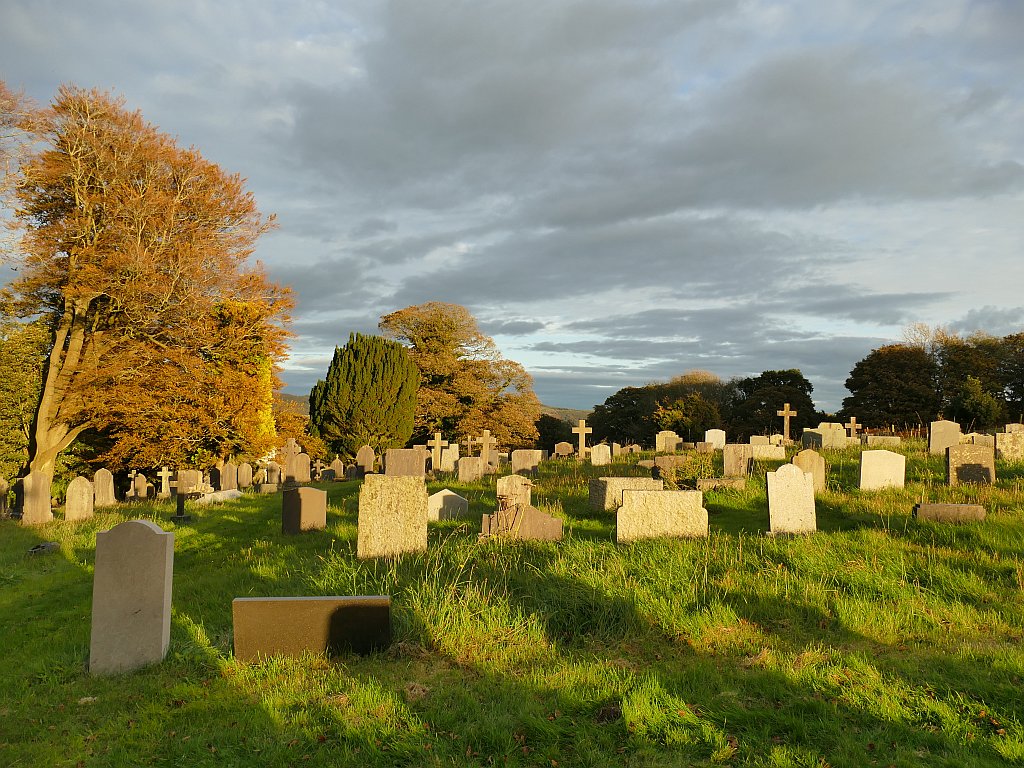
pixel 133 250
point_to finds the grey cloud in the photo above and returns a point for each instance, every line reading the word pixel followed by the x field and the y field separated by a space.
pixel 999 321
pixel 510 327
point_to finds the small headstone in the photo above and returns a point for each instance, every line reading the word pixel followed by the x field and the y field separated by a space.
pixel 600 455
pixel 977 438
pixel 392 516
pixel 660 514
pixel 471 469
pixel 1010 446
pixel 78 501
pixel 300 469
pixel 405 462
pixel 366 459
pixel 882 469
pixel 670 461
pixel 704 447
pixel 633 448
pixel 791 500
pixel 292 626
pixel 941 435
pixel 759 440
pixel 667 441
pixel 616 450
pixel 188 481
pixel 812 462
pixel 716 437
pixel 164 476
pixel 718 483
pixel 522 522
pixel 1015 429
pixel 874 441
pixel 229 476
pixel 244 475
pixel 514 489
pixel 970 464
pixel 737 458
pixel 303 509
pixel 950 513
pixel 131 597
pixel 327 475
pixel 103 488
pixel 526 461
pixel 274 474
pixel 563 449
pixel 338 468
pixel 606 492
pixel 446 505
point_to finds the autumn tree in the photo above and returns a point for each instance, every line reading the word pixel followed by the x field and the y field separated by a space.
pixel 133 254
pixel 367 398
pixel 465 384
pixel 893 385
pixel 23 349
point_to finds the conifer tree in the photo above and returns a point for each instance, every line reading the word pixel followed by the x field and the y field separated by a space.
pixel 367 398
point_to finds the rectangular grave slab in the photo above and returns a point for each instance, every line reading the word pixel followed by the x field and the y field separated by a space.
pixel 737 458
pixel 1010 446
pixel 970 465
pixel 392 516
pixel 660 514
pixel 768 452
pixel 950 513
pixel 524 460
pixel 290 626
pixel 405 462
pixel 606 492
pixel 717 483
pixel 881 440
pixel 303 509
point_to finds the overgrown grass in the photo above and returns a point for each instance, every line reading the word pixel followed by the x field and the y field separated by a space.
pixel 879 640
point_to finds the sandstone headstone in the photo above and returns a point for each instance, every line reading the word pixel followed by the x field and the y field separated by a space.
pixel 188 481
pixel 616 450
pixel 287 453
pixel 716 437
pixel 950 513
pixel 291 626
pixel 366 459
pixel 667 441
pixel 131 597
pixel 759 440
pixel 606 492
pixel 164 476
pixel 659 514
pixel 977 438
pixel 446 505
pixel 519 522
pixel 526 461
pixel 78 501
pixel 737 458
pixel 303 509
pixel 941 435
pixel 449 458
pixel 405 462
pixel 882 469
pixel 600 455
pixel 392 516
pixel 103 488
pixel 880 440
pixel 471 469
pixel 1014 428
pixel 274 473
pixel 244 475
pixel 632 448
pixel 970 464
pixel 229 476
pixel 812 462
pixel 791 500
pixel 581 431
pixel 140 487
pixel 514 489
pixel 564 449
pixel 338 467
pixel 300 467
pixel 1010 446
pixel 767 451
pixel 718 483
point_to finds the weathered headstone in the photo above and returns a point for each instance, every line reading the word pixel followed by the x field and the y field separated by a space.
pixel 244 475
pixel 487 445
pixel 303 509
pixel 718 483
pixel 103 488
pixel 563 449
pixel 950 513
pixel 970 464
pixel 524 460
pixel 392 516
pixel 522 522
pixel 828 435
pixel 716 437
pixel 271 478
pixel 514 489
pixel 667 441
pixel 853 426
pixel 941 435
pixel 264 627
pixel 446 505
pixel 164 476
pixel 78 500
pixel 759 440
pixel 1015 428
pixel 229 476
pixel 437 445
pixel 449 458
pixel 791 500
pixel 1010 446
pixel 768 452
pixel 606 492
pixel 405 462
pixel 736 459
pixel 880 440
pixel 338 468
pixel 300 469
pixel 882 469
pixel 978 438
pixel 633 448
pixel 616 450
pixel 660 514
pixel 188 481
pixel 471 469
pixel 366 459
pixel 813 463
pixel 131 597
pixel 600 455
pixel 287 453
pixel 140 487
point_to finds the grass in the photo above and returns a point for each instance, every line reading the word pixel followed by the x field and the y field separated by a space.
pixel 877 641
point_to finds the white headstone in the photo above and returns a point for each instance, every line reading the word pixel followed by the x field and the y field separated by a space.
pixel 882 469
pixel 791 500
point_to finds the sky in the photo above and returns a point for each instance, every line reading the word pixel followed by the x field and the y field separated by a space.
pixel 620 191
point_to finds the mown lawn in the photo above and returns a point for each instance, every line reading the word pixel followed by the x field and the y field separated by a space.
pixel 877 641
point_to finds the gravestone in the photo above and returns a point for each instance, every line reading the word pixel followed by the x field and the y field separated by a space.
pixel 791 500
pixel 670 461
pixel 392 516
pixel 140 487
pixel 736 459
pixel 703 447
pixel 786 413
pixel 449 457
pixel 229 476
pixel 300 469
pixel 188 481
pixel 970 465
pixel 437 445
pixel 327 475
pixel 515 489
pixel 600 455
pixel 526 461
pixel 949 513
pixel 244 475
pixel 338 468
pixel 1015 429
pixel 606 492
pixel 264 627
pixel 660 514
pixel 880 440
pixel 1010 446
pixel 78 500
pixel 487 445
pixel 581 430
pixel 287 453
pixel 522 522
pixel 716 437
pixel 813 463
pixel 882 469
pixel 471 469
pixel 366 459
pixel 164 476
pixel 446 505
pixel 941 435
pixel 768 452
pixel 778 439
pixel 303 509
pixel 103 488
pixel 271 478
pixel 667 441
pixel 632 448
pixel 759 440
pixel 405 462
pixel 616 450
pixel 563 449
pixel 719 483
pixel 131 597
pixel 977 438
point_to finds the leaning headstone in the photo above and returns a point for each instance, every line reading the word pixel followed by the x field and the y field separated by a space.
pixel 564 449
pixel 471 469
pixel 667 441
pixel 405 462
pixel 716 437
pixel 446 505
pixel 392 516
pixel 941 435
pixel 606 492
pixel 303 509
pixel 882 469
pixel 660 514
pixel 103 488
pixel 791 500
pixel 131 597
pixel 812 462
pixel 1010 446
pixel 244 475
pixel 970 464
pixel 526 461
pixel 264 627
pixel 522 522
pixel 78 501
pixel 737 458
pixel 515 489
pixel 601 455
pixel 950 513
pixel 365 460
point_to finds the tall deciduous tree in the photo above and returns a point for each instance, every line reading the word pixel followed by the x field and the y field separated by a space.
pixel 23 348
pixel 134 254
pixel 367 398
pixel 465 384
pixel 760 398
pixel 893 386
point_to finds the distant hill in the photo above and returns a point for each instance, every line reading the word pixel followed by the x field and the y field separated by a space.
pixel 568 415
pixel 301 402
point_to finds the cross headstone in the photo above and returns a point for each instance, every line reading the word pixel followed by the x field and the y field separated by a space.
pixel 581 431
pixel 436 445
pixel 164 476
pixel 318 469
pixel 289 451
pixel 853 426
pixel 487 443
pixel 786 413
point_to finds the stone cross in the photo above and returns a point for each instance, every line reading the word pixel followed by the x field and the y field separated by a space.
pixel 486 444
pixel 853 426
pixel 785 413
pixel 165 482
pixel 131 483
pixel 290 450
pixel 435 446
pixel 582 430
